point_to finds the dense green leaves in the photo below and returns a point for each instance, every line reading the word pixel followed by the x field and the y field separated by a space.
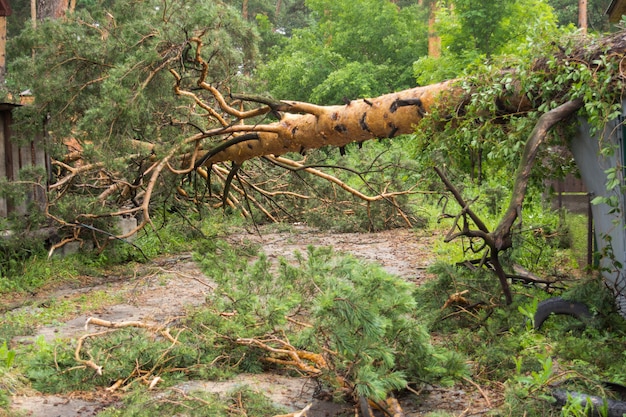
pixel 354 49
pixel 102 75
pixel 567 13
pixel 473 33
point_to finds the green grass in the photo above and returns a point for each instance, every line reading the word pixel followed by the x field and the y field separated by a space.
pixel 242 401
pixel 21 322
pixel 504 349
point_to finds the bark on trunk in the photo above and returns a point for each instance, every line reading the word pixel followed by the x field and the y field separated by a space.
pixel 279 4
pixel 244 10
pixel 52 9
pixel 582 15
pixel 33 12
pixel 315 126
pixel 434 41
pixel 3 42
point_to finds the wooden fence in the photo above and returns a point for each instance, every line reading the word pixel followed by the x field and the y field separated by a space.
pixel 569 193
pixel 14 157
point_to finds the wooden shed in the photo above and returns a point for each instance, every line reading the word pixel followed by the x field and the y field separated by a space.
pixel 14 157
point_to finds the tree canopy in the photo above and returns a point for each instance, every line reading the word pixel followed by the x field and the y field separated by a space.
pixel 158 89
pixel 350 50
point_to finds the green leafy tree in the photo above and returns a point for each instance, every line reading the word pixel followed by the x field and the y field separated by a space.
pixel 352 49
pixel 275 19
pixel 567 13
pixel 472 32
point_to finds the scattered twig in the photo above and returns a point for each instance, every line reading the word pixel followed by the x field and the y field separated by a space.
pixel 301 413
pixel 88 362
pixel 469 381
pixel 118 325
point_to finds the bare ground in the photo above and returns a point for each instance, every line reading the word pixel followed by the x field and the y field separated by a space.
pixel 176 283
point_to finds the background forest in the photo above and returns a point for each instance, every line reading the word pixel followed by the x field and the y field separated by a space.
pixel 117 100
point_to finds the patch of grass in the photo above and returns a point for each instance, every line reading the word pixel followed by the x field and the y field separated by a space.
pixel 21 322
pixel 577 228
pixel 504 348
pixel 10 380
pixel 242 401
pixel 171 234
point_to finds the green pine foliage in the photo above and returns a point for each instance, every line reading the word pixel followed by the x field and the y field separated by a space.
pixel 361 319
pixel 364 315
pixel 102 75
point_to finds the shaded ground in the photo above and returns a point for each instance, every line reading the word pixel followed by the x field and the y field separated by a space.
pixel 176 282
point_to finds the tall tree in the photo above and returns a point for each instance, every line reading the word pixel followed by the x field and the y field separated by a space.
pixel 434 40
pixel 582 15
pixel 568 12
pixel 353 49
pixel 5 10
pixel 244 9
pixel 51 9
pixel 471 32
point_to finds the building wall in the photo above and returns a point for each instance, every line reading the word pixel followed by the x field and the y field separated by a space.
pixel 14 157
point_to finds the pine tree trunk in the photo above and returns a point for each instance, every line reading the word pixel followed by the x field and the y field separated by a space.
pixel 33 12
pixel 582 15
pixel 279 4
pixel 52 9
pixel 244 10
pixel 3 43
pixel 434 41
pixel 307 126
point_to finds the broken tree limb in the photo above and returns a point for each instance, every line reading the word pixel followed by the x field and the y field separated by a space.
pixel 501 238
pixel 88 362
pixel 482 233
pixel 308 362
pixel 502 233
pixel 161 329
pixel 288 163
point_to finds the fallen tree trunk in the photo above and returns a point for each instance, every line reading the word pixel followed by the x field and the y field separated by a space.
pixel 304 126
pixel 315 126
pixel 237 131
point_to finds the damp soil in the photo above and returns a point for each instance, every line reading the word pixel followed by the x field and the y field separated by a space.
pixel 176 283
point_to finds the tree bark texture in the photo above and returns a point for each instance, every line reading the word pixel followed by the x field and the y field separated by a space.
pixel 306 126
pixel 244 10
pixel 582 15
pixel 52 9
pixel 434 41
